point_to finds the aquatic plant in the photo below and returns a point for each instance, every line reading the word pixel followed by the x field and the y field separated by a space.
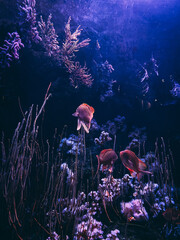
pixel 175 91
pixel 78 74
pixel 103 138
pixel 137 137
pixel 10 50
pixel 72 145
pixel 109 92
pixel 27 11
pixel 145 74
pixel 70 174
pixel 91 229
pixel 112 187
pixel 134 209
pixel 17 165
pixel 49 38
pixel 105 70
pixel 94 125
pixel 112 127
pixel 68 194
pixel 54 236
pixel 75 206
pixel 66 54
pixel 113 235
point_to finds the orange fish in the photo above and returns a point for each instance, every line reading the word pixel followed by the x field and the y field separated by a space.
pixel 107 157
pixel 172 215
pixel 133 163
pixel 84 113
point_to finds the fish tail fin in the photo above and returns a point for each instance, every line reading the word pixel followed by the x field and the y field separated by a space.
pixel 139 176
pixel 141 173
pixel 98 166
pixel 147 172
pixel 142 167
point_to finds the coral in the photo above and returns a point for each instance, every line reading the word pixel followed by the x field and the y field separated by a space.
pixel 146 71
pixel 78 206
pixel 158 197
pixel 154 65
pixel 78 74
pixel 75 206
pixel 113 235
pixel 54 236
pixel 105 69
pixel 70 174
pixel 94 125
pixel 28 12
pixel 10 49
pixel 71 145
pixel 49 38
pixel 104 137
pixel 91 229
pixel 154 164
pixel 109 92
pixel 134 209
pixel 145 76
pixel 175 91
pixel 137 136
pixel 112 187
pixel 94 204
pixel 133 144
pixel 118 124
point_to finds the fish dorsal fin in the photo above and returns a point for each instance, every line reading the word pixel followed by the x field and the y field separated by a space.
pixel 142 165
pixel 89 107
pixel 105 151
pixel 92 109
pixel 85 104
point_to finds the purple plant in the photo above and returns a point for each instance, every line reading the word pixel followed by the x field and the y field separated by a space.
pixel 91 229
pixel 113 235
pixel 118 124
pixel 109 92
pixel 78 74
pixel 71 145
pixel 175 91
pixel 49 38
pixel 137 136
pixel 135 210
pixel 28 12
pixel 104 137
pixel 105 69
pixel 10 49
